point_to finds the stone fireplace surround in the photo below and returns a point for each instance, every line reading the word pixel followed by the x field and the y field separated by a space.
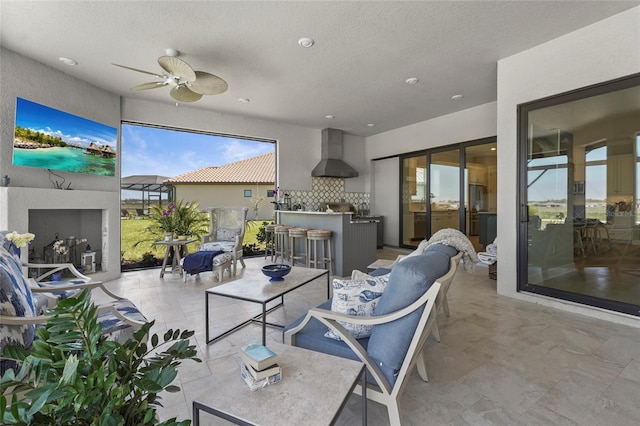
pixel 17 202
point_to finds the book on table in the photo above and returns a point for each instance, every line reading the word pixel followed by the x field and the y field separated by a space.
pixel 261 374
pixel 254 384
pixel 258 356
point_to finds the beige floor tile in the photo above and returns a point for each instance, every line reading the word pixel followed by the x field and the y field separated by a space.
pixel 501 361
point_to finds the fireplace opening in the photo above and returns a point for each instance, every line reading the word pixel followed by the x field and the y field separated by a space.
pixel 67 235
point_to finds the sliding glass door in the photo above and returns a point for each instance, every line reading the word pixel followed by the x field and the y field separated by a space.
pixel 580 234
pixel 451 187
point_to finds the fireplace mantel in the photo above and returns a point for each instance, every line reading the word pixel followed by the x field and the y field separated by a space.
pixel 15 203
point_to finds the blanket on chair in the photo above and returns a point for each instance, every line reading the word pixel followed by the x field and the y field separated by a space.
pixel 200 261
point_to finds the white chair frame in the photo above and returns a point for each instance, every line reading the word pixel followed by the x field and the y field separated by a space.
pixel 211 236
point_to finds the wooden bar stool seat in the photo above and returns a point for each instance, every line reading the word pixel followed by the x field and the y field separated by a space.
pixel 319 249
pixel 270 241
pixel 282 242
pixel 298 234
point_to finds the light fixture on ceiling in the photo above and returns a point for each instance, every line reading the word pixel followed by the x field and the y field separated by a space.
pixel 306 42
pixel 244 100
pixel 371 125
pixel 411 80
pixel 329 117
pixel 68 61
pixel 172 52
pixel 457 97
pixel 493 148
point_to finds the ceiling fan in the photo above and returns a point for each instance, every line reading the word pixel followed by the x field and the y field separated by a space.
pixel 187 85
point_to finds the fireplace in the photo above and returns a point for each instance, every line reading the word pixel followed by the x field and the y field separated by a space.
pixel 90 215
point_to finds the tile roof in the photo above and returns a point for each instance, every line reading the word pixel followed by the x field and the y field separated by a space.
pixel 260 169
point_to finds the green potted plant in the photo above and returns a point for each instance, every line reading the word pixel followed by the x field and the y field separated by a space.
pixel 72 375
pixel 179 218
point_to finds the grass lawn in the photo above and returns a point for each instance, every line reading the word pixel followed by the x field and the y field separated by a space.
pixel 133 230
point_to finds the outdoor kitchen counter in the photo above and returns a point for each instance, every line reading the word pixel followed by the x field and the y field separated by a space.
pixel 353 243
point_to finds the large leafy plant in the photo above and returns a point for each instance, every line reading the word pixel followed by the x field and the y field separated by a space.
pixel 179 218
pixel 73 375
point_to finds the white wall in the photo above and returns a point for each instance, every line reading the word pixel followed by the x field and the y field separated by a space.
pixel 603 51
pixel 469 124
pixel 28 79
pixel 298 148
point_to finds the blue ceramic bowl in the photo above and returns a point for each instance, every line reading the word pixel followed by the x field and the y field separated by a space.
pixel 276 272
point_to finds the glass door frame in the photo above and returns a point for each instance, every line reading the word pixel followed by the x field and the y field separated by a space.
pixel 462 165
pixel 522 196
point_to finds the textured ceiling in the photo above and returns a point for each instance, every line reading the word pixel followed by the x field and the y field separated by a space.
pixel 356 71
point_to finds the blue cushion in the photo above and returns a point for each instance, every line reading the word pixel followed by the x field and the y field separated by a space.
pixel 442 248
pixel 379 272
pixel 409 280
pixel 116 329
pixel 312 337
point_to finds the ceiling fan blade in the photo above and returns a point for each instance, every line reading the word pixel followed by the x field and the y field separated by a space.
pixel 208 84
pixel 142 71
pixel 177 67
pixel 183 94
pixel 145 86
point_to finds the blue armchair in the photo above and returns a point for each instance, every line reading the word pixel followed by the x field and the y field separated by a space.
pixel 401 324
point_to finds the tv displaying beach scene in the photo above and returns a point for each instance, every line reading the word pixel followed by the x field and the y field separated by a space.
pixel 47 138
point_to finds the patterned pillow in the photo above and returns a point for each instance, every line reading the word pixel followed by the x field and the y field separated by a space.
pixel 15 301
pixel 356 297
pixel 227 234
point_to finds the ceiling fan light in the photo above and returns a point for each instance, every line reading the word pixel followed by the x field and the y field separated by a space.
pixel 172 52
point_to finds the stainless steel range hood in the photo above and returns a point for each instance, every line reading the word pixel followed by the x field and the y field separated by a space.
pixel 331 164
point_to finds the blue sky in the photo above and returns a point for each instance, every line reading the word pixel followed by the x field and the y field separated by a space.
pixel 153 151
pixel 69 127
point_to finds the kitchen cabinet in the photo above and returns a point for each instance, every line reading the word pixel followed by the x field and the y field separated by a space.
pixel 620 175
pixel 488 228
pixel 419 225
pixel 476 174
pixel 442 219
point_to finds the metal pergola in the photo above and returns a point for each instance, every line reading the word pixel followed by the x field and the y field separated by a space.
pixel 151 186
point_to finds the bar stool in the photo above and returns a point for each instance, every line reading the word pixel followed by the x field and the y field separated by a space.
pixel 282 242
pixel 296 234
pixel 270 240
pixel 322 238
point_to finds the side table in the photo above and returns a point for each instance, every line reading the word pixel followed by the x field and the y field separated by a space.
pixel 176 244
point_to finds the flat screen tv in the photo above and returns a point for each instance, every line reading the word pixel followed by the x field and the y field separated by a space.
pixel 47 138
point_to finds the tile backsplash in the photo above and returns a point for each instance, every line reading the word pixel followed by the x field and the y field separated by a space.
pixel 325 189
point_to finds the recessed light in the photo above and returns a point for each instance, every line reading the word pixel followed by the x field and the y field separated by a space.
pixel 329 117
pixel 457 97
pixel 67 61
pixel 493 149
pixel 411 80
pixel 371 125
pixel 306 42
pixel 244 100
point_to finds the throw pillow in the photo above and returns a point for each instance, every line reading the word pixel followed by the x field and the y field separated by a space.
pixel 227 234
pixel 356 297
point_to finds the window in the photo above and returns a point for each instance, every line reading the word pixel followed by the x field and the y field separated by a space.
pixel 247 193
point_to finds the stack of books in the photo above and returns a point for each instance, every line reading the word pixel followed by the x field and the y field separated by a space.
pixel 259 367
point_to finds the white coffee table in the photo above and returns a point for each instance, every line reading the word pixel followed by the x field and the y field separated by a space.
pixel 314 389
pixel 255 287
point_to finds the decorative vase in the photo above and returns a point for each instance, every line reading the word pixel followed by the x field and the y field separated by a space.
pixel 168 236
pixel 182 237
